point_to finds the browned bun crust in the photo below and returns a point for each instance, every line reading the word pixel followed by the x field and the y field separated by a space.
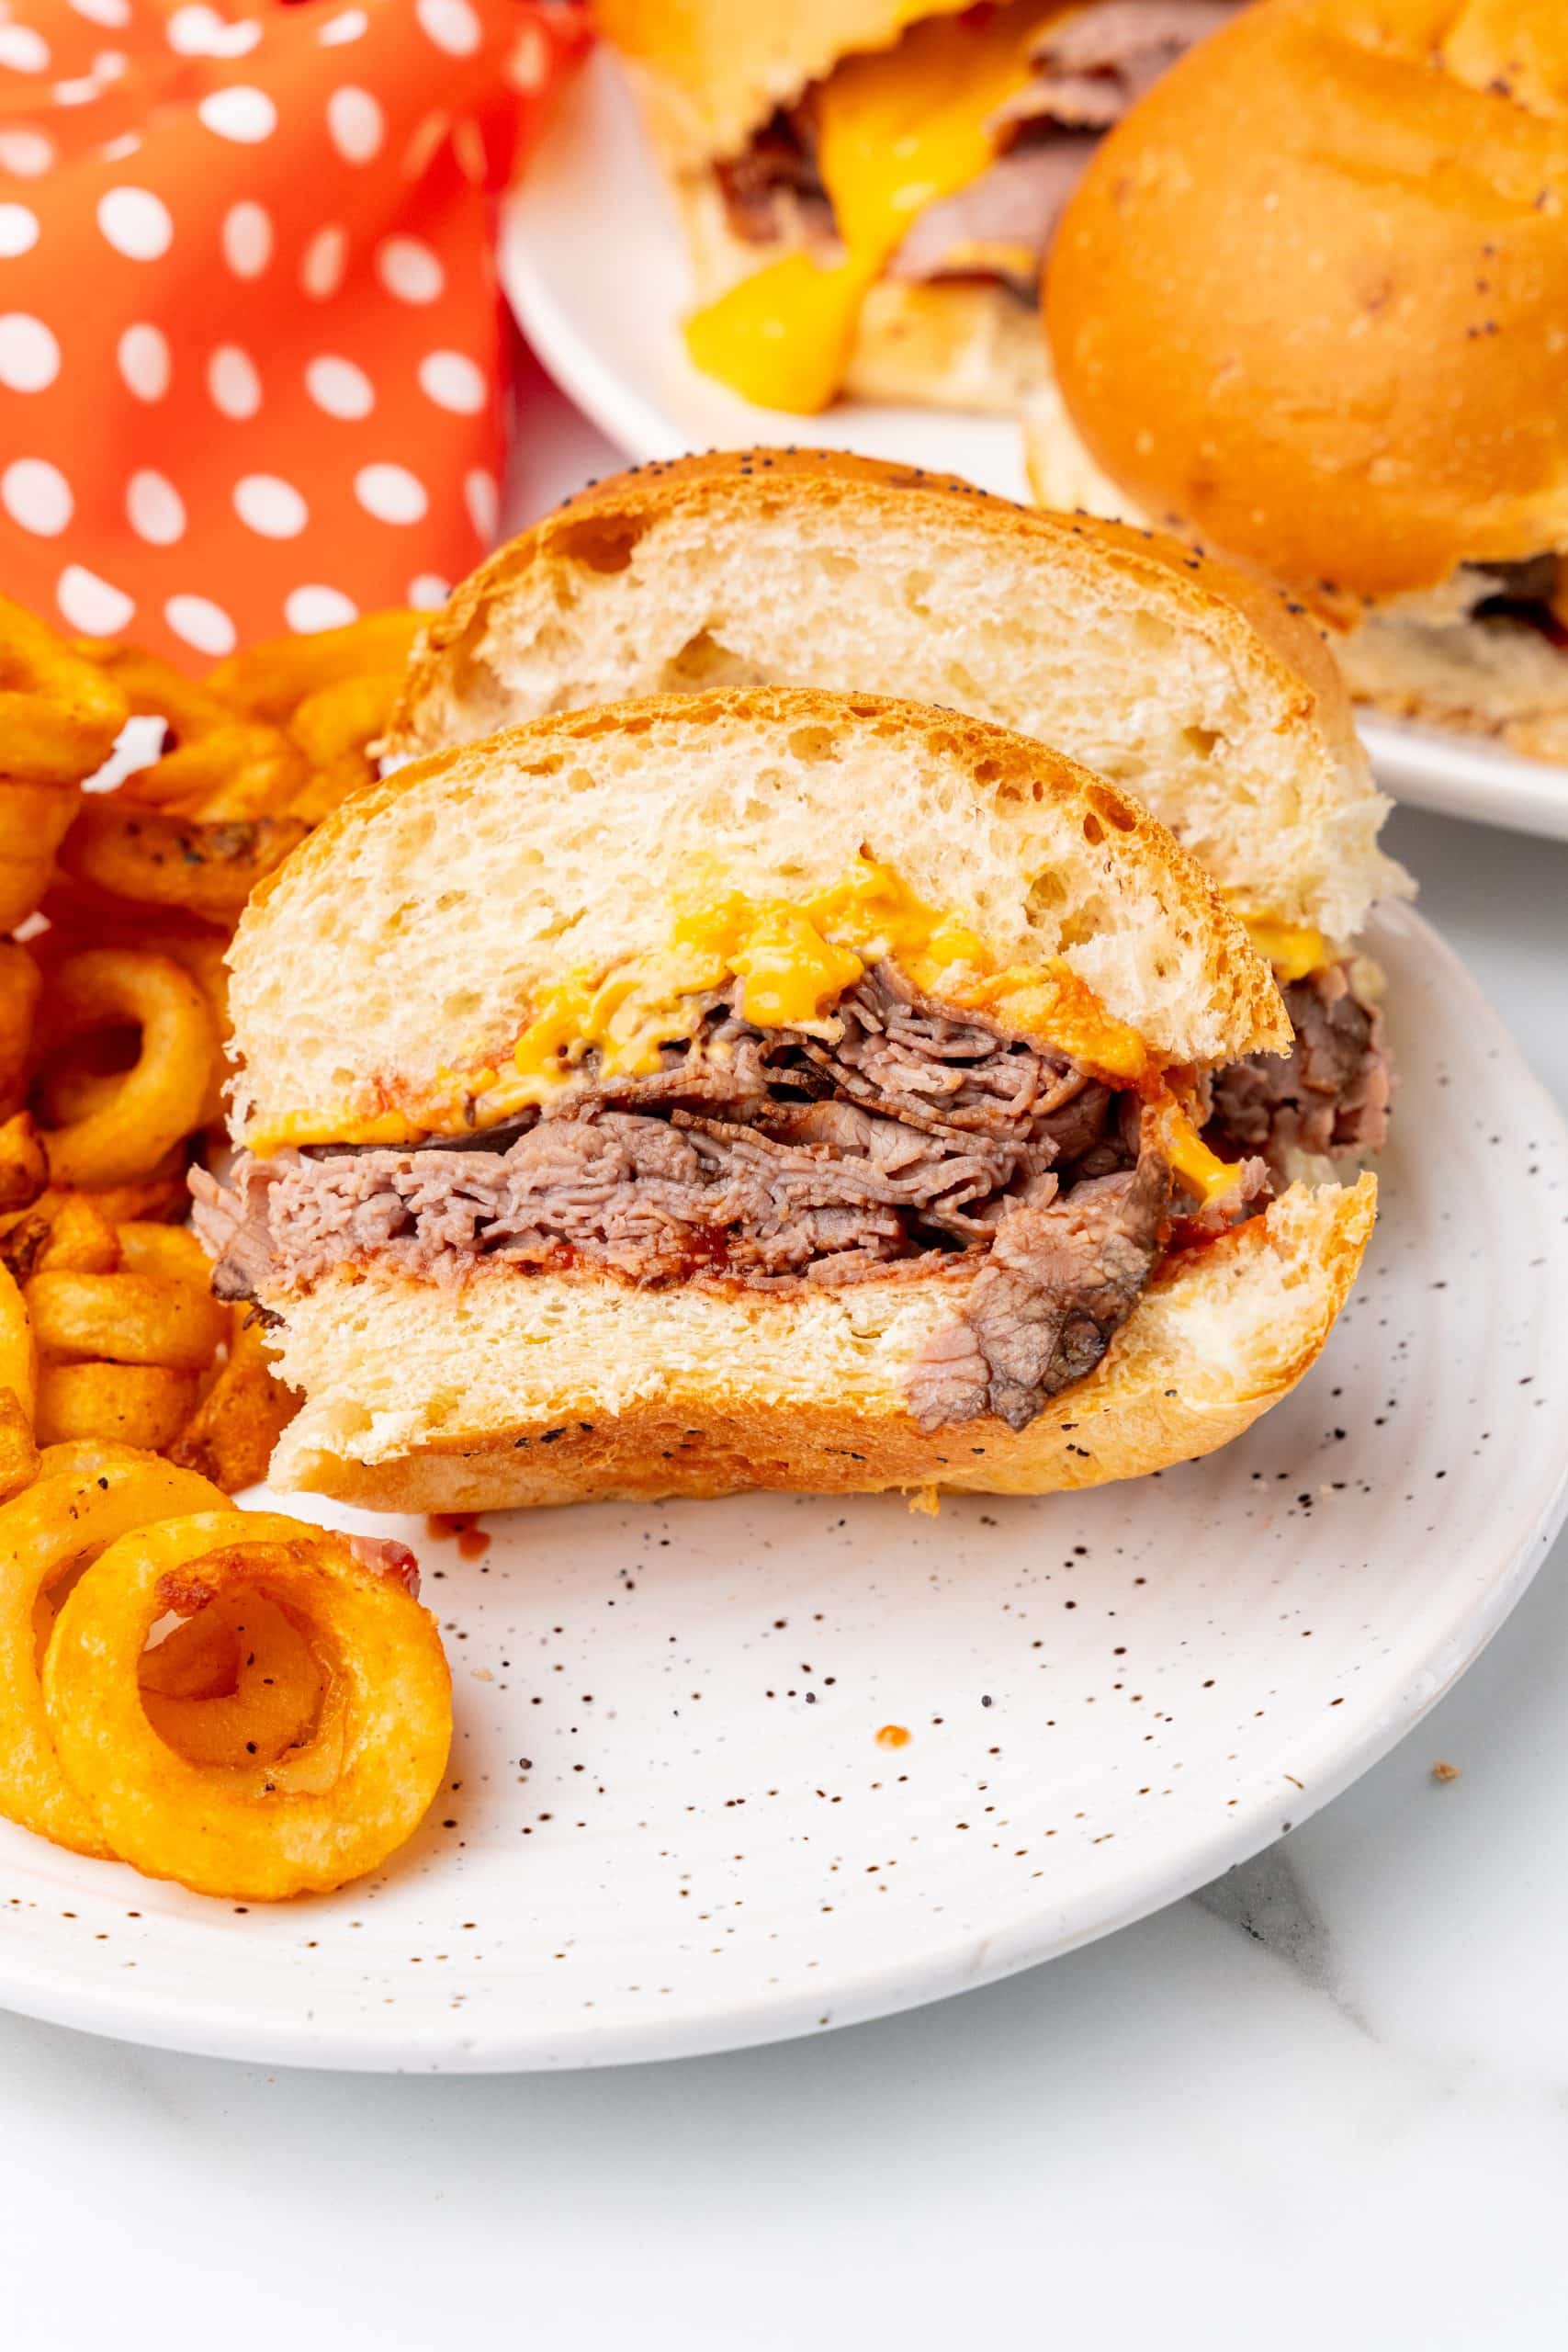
pixel 711 72
pixel 601 523
pixel 1333 340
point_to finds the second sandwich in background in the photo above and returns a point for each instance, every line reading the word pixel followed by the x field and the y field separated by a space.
pixel 1332 342
pixel 1188 683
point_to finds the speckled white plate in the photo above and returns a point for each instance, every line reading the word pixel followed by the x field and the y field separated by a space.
pixel 592 262
pixel 671 1826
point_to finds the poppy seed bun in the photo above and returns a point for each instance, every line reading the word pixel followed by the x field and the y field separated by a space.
pixel 1335 340
pixel 430 912
pixel 1188 682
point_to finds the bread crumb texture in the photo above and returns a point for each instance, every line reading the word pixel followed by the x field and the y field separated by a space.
pixel 414 931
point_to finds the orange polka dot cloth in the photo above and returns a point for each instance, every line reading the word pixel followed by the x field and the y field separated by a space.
pixel 251 340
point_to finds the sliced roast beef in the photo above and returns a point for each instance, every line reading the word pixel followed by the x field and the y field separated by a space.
pixel 772 187
pixel 1088 68
pixel 1327 1097
pixel 1000 225
pixel 1062 1277
pixel 914 1143
pixel 1092 63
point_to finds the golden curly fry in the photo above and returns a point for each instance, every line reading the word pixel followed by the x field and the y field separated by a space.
pixel 143 1405
pixel 42 1534
pixel 58 713
pixel 325 1813
pixel 158 1102
pixel 240 770
pixel 24 1165
pixel 19 1447
pixel 21 984
pixel 238 1682
pixel 154 860
pixel 34 819
pixel 19 1355
pixel 171 1251
pixel 125 1318
pixel 231 1436
pixel 335 727
pixel 270 681
pixel 61 1233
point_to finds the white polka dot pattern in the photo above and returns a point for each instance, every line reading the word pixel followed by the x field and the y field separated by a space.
pixel 243 115
pixel 198 31
pixel 357 124
pixel 270 506
pixel 408 269
pixel 247 239
pixel 136 222
pixel 23 49
pixel 311 608
pixel 155 508
pixel 37 495
pixel 202 624
pixel 340 387
pixel 90 604
pixel 29 356
pixel 233 381
pixel 350 24
pixel 453 381
pixel 28 153
pixel 451 25
pixel 325 259
pixel 248 307
pixel 18 230
pixel 481 495
pixel 145 366
pixel 391 494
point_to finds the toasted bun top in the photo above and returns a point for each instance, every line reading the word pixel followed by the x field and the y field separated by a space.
pixel 1192 684
pixel 713 71
pixel 1335 338
pixel 421 924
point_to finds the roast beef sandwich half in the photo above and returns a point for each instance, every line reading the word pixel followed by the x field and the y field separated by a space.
pixel 766 1088
pixel 1332 341
pixel 1190 682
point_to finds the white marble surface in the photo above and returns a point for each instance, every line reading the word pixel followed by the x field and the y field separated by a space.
pixel 1327 2100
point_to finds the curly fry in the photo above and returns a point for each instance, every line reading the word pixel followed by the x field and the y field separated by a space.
pixel 151 859
pixel 158 1102
pixel 325 1813
pixel 271 681
pixel 34 819
pixel 230 1435
pixel 43 1534
pixel 141 1405
pixel 58 713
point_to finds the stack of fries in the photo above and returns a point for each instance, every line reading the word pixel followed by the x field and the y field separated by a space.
pixel 116 909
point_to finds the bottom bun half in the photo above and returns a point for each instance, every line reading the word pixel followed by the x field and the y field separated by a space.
pixel 532 1389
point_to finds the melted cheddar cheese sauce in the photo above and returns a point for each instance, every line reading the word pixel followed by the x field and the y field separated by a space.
pixel 897 131
pixel 793 960
pixel 1293 949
